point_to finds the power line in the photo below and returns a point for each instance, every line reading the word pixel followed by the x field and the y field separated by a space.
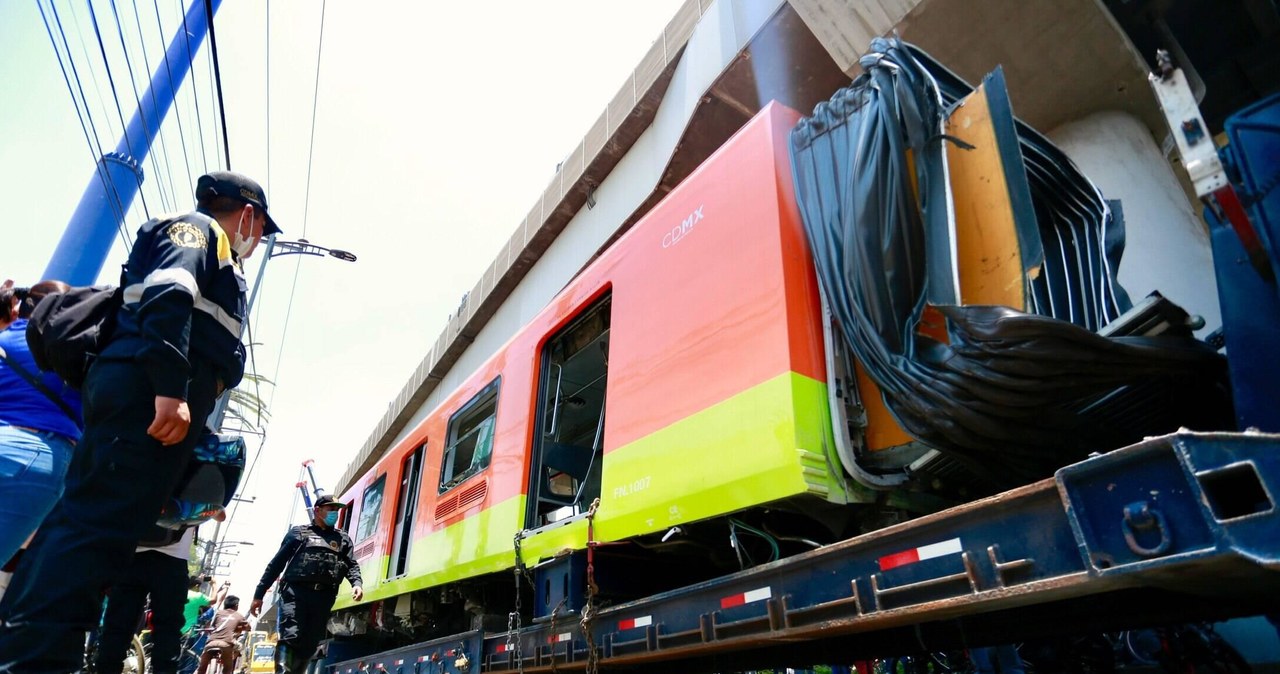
pixel 141 112
pixel 93 73
pixel 164 147
pixel 306 203
pixel 107 181
pixel 182 135
pixel 195 96
pixel 217 146
pixel 218 159
pixel 315 103
pixel 217 74
pixel 268 97
pixel 98 168
pixel 102 47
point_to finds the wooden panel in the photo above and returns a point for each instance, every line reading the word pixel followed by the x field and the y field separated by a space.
pixel 990 261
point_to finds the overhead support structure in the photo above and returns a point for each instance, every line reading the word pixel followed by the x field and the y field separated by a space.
pixel 118 175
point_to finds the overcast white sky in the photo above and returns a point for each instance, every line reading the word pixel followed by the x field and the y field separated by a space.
pixel 438 125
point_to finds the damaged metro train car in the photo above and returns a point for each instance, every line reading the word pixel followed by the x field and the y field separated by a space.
pixel 900 303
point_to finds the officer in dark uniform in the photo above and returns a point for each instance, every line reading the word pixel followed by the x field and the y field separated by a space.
pixel 315 558
pixel 176 346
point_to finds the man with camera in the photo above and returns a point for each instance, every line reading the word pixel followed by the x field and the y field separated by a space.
pixel 175 348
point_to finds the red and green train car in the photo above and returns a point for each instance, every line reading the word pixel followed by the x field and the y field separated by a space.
pixel 680 378
pixel 689 384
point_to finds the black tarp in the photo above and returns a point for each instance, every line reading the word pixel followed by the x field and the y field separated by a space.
pixel 1012 395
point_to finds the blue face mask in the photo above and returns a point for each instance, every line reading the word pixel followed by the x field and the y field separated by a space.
pixel 331 518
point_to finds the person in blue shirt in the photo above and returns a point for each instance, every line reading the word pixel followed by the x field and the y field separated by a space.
pixel 37 436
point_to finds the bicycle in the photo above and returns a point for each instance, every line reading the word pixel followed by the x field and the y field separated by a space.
pixel 135 661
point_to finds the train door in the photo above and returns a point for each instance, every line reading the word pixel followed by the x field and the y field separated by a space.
pixel 406 508
pixel 569 441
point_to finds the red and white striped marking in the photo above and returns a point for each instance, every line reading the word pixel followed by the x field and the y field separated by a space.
pixel 558 638
pixel 951 547
pixel 423 658
pixel 399 662
pixel 506 648
pixel 643 621
pixel 759 594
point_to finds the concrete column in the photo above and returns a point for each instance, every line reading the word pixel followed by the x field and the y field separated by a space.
pixel 1166 242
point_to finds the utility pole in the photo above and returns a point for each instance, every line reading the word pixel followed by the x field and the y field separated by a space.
pixel 207 567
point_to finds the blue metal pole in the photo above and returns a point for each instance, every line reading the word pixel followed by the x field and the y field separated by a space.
pixel 117 178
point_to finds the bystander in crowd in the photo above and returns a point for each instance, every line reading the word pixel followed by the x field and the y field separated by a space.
pixel 39 426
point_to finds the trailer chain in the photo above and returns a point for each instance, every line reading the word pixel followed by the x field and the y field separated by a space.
pixel 588 608
pixel 555 613
pixel 513 618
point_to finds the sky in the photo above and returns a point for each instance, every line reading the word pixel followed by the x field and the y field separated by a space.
pixel 436 127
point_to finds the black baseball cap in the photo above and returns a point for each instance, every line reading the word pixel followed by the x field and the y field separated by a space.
pixel 328 500
pixel 236 186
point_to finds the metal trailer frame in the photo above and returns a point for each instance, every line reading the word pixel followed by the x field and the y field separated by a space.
pixel 1175 527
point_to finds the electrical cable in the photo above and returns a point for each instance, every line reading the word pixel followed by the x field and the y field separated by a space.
pixel 773 544
pixel 284 331
pixel 315 104
pixel 306 204
pixel 115 96
pixel 268 96
pixel 93 73
pixel 195 95
pixel 218 159
pixel 164 147
pixel 74 101
pixel 108 183
pixel 133 84
pixel 182 134
pixel 217 75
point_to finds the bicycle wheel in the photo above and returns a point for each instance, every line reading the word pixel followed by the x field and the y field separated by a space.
pixel 136 660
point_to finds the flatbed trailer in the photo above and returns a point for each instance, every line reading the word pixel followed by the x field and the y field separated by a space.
pixel 1178 527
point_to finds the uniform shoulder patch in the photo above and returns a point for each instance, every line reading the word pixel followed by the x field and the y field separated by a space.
pixel 187 235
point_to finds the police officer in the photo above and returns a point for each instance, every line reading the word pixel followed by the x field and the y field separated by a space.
pixel 176 346
pixel 315 558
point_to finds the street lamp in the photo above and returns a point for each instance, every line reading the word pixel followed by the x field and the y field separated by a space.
pixel 274 249
pixel 299 247
pixel 304 247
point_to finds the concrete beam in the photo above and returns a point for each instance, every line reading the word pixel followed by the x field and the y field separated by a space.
pixel 1063 60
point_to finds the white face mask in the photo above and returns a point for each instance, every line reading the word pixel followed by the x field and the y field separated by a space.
pixel 241 244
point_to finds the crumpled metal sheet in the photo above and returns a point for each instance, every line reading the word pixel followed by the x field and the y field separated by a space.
pixel 1013 395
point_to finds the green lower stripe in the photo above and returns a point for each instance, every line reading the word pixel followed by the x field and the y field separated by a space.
pixel 767 443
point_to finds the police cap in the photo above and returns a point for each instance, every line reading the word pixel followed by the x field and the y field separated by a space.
pixel 330 501
pixel 236 186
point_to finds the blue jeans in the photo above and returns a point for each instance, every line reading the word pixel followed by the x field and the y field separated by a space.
pixel 33 465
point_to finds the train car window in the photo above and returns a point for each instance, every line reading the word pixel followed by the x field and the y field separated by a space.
pixel 406 507
pixel 470 438
pixel 569 449
pixel 344 516
pixel 370 509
